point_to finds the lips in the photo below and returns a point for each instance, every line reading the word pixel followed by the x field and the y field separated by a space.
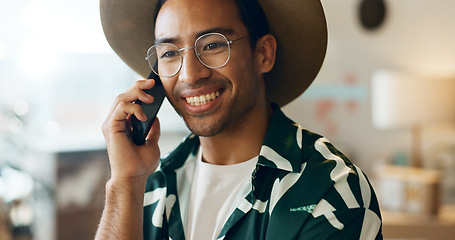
pixel 202 99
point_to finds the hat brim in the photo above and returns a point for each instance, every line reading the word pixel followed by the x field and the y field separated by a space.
pixel 298 25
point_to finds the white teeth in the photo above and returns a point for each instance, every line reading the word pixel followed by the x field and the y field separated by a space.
pixel 202 99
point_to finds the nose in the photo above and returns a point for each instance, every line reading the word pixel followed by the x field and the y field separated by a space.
pixel 192 69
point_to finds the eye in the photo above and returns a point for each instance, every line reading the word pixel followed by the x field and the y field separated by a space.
pixel 169 54
pixel 214 46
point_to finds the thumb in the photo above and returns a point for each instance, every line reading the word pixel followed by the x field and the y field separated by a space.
pixel 155 132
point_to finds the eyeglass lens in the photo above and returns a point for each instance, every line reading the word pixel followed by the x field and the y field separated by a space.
pixel 211 49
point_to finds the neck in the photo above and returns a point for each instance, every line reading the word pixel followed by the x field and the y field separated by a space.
pixel 241 142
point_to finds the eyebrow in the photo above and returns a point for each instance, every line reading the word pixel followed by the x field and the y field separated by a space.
pixel 225 31
pixel 222 30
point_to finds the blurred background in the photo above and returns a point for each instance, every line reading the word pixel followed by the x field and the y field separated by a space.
pixel 385 97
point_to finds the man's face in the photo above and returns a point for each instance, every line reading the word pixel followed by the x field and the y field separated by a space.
pixel 232 89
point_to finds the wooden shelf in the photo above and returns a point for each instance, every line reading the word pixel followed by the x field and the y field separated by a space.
pixel 410 226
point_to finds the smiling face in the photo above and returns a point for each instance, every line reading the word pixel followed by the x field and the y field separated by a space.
pixel 210 100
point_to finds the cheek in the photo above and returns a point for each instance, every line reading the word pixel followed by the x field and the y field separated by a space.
pixel 169 84
pixel 169 87
pixel 245 74
pixel 243 62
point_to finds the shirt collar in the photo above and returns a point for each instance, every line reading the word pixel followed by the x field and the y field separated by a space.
pixel 282 144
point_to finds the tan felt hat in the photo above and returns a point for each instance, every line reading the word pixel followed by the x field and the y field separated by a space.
pixel 298 25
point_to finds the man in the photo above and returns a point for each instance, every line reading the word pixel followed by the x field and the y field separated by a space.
pixel 247 171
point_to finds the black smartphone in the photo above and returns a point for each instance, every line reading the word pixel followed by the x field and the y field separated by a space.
pixel 141 128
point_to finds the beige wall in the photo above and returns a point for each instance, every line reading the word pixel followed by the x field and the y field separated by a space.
pixel 418 37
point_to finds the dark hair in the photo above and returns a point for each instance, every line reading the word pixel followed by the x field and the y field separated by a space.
pixel 252 15
pixel 157 9
pixel 254 18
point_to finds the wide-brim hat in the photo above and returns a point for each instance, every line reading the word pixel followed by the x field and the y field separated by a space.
pixel 298 25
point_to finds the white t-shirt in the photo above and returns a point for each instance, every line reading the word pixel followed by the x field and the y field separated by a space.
pixel 213 196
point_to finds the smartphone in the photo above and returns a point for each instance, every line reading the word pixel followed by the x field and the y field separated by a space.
pixel 141 128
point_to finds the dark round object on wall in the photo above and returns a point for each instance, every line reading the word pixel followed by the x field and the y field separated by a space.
pixel 372 13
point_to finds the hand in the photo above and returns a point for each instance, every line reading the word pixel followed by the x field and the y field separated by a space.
pixel 129 161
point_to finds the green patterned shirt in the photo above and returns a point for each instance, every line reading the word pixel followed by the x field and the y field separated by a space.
pixel 302 188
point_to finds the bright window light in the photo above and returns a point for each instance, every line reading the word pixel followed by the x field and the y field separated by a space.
pixel 37 56
pixel 3 52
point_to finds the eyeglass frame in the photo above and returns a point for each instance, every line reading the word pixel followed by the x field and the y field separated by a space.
pixel 195 52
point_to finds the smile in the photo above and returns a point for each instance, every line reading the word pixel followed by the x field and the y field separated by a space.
pixel 202 99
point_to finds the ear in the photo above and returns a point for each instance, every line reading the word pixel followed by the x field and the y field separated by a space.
pixel 265 53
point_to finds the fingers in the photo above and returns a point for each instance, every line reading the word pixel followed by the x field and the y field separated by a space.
pixel 127 160
pixel 124 109
pixel 124 106
pixel 117 121
pixel 134 93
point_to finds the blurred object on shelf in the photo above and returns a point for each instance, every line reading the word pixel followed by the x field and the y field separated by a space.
pixel 16 188
pixel 20 190
pixel 403 100
pixel 22 217
pixel 408 189
pixel 5 224
pixel 16 212
pixel 442 158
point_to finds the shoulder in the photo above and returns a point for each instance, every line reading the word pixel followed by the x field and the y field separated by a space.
pixel 329 194
pixel 344 201
pixel 334 178
pixel 310 164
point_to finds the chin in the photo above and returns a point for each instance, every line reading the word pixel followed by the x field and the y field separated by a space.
pixel 204 129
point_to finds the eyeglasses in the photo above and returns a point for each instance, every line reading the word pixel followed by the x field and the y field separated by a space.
pixel 212 49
